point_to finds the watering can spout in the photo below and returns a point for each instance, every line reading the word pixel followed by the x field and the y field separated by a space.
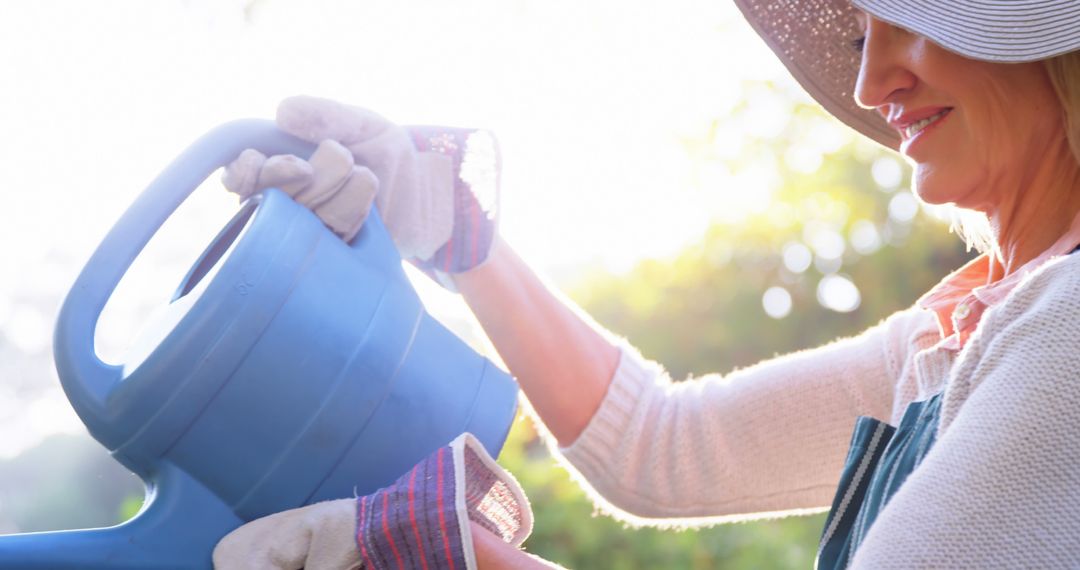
pixel 176 506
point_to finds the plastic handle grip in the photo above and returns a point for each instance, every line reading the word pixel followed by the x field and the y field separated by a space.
pixel 86 379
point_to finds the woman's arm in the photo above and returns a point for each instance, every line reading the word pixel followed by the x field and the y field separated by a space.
pixel 764 439
pixel 558 355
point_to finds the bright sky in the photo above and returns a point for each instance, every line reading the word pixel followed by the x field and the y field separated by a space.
pixel 588 100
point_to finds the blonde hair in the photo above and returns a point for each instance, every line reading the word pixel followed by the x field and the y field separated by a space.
pixel 1064 72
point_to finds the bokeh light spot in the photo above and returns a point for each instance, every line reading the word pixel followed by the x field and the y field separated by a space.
pixel 825 241
pixel 903 207
pixel 887 173
pixel 777 302
pixel 797 257
pixel 803 158
pixel 28 329
pixel 865 237
pixel 838 293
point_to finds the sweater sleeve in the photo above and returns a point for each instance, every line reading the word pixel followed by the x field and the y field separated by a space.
pixel 1001 487
pixel 759 441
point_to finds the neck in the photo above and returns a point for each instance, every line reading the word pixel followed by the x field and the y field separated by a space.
pixel 1038 209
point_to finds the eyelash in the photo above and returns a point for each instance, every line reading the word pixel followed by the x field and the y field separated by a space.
pixel 858 43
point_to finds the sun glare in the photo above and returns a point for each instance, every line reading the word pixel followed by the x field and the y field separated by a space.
pixel 590 100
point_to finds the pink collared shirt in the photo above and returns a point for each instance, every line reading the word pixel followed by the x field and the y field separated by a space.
pixel 961 298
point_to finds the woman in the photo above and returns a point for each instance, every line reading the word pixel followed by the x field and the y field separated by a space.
pixel 971 460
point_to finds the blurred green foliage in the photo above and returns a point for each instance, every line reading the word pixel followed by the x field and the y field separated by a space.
pixel 702 312
pixel 65 482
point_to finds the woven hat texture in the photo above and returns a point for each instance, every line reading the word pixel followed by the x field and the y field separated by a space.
pixel 813 38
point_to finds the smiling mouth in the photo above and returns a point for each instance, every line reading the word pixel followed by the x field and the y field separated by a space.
pixel 918 126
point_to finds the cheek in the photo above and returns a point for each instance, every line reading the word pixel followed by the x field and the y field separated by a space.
pixel 1017 117
pixel 996 128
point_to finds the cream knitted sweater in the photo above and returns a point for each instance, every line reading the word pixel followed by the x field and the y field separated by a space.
pixel 1000 488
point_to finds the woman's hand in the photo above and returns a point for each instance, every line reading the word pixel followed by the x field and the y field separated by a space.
pixel 328 183
pixel 437 194
pixel 437 187
pixel 424 519
pixel 315 537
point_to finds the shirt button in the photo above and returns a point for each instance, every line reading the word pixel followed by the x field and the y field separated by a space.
pixel 962 311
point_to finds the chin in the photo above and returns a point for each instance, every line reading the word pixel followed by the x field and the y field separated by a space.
pixel 929 190
pixel 935 188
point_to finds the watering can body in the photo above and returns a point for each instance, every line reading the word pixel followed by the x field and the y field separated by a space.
pixel 289 368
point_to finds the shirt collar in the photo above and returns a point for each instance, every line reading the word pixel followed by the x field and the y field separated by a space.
pixel 972 280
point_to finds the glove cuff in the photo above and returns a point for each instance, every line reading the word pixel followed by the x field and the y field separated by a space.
pixel 422 520
pixel 476 166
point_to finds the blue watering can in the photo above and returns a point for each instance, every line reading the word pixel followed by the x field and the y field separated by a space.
pixel 289 368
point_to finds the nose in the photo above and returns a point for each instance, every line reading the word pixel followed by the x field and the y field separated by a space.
pixel 886 71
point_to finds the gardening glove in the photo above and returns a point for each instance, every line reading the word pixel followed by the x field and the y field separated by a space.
pixel 420 521
pixel 437 186
pixel 329 184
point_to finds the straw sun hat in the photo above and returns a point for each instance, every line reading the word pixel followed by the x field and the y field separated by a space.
pixel 814 40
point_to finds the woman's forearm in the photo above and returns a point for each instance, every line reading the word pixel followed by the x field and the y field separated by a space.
pixel 560 358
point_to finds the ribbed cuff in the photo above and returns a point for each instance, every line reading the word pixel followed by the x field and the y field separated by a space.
pixel 594 452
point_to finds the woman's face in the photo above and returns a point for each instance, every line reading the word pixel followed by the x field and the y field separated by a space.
pixel 971 129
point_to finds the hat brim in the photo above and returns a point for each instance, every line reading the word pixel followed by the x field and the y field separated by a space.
pixel 813 39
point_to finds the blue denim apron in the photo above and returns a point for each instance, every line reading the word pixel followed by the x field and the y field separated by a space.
pixel 880 458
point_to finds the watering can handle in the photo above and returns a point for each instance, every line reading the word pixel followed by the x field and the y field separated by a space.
pixel 86 379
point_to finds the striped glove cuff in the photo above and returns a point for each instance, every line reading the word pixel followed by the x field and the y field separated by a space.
pixel 422 519
pixel 475 158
